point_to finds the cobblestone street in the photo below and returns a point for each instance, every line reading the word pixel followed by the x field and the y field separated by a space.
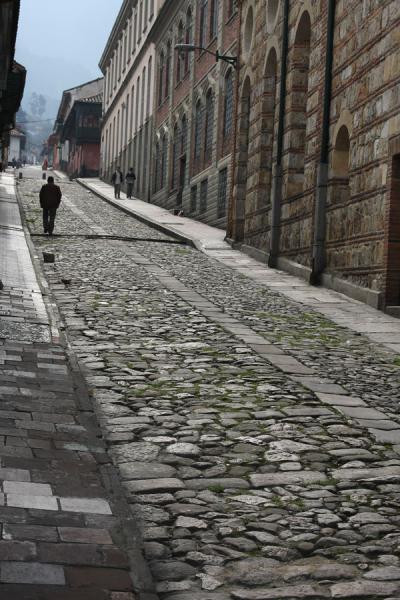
pixel 257 442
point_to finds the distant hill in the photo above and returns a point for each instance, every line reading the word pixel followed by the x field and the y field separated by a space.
pixel 50 77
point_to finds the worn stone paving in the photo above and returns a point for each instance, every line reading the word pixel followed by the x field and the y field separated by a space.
pixel 257 442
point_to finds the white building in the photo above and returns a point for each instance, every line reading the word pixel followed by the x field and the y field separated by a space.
pixel 17 139
pixel 128 67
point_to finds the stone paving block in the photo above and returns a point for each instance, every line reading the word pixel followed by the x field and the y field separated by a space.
pixel 86 505
pixel 293 592
pixel 364 589
pixel 225 483
pixel 15 474
pixel 85 535
pixel 40 426
pixel 318 385
pixel 42 502
pixel 291 478
pixel 361 412
pixel 378 473
pixel 17 550
pixel 29 532
pixel 340 400
pixel 386 424
pixel 113 579
pixel 39 573
pixel 386 437
pixel 27 489
pixel 69 553
pixel 155 485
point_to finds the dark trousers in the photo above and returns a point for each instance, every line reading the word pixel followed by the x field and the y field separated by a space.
pixel 117 190
pixel 49 216
pixel 129 190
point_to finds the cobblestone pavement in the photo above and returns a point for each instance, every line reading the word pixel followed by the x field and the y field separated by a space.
pixel 61 534
pixel 257 442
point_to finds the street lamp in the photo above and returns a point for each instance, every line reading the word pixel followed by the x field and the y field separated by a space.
pixel 232 60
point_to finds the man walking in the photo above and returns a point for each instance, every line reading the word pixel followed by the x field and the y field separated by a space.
pixel 130 179
pixel 117 179
pixel 50 198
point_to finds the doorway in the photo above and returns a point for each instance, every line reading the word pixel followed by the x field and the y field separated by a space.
pixel 393 248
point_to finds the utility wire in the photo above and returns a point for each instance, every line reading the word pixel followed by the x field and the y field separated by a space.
pixel 41 121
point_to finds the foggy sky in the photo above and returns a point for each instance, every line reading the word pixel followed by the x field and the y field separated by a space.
pixel 60 42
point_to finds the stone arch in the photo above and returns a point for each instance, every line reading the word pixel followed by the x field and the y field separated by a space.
pixel 341 153
pixel 273 10
pixel 300 68
pixel 248 31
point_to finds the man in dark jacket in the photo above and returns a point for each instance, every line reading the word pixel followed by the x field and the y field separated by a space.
pixel 117 180
pixel 50 198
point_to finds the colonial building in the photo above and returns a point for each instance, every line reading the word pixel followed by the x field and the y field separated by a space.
pixel 128 67
pixel 194 106
pixel 12 74
pixel 74 146
pixel 317 153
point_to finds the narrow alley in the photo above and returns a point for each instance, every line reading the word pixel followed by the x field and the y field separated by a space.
pixel 256 439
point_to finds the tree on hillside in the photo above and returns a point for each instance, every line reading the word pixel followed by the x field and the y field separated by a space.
pixel 37 104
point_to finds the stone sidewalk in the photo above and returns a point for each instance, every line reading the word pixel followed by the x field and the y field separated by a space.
pixel 341 309
pixel 64 520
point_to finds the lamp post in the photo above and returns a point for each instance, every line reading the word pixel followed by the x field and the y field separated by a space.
pixel 232 60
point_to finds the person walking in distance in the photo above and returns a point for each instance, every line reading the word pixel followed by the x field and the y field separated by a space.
pixel 117 179
pixel 130 179
pixel 50 198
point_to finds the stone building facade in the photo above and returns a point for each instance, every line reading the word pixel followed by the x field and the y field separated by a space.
pixel 194 107
pixel 317 152
pixel 128 67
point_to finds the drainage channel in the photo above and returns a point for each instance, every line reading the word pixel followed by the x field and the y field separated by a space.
pixel 119 238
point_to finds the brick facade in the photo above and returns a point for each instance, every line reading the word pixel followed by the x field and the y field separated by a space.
pixel 192 150
pixel 361 216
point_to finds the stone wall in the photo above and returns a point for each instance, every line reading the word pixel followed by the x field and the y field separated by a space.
pixel 364 117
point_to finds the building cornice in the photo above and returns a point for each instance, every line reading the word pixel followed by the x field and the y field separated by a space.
pixel 118 26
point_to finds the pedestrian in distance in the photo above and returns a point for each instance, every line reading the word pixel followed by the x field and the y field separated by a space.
pixel 130 180
pixel 117 179
pixel 50 198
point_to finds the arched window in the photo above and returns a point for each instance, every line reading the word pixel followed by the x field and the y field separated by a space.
pixel 161 71
pixel 203 22
pixel 188 36
pixel 167 70
pixel 175 154
pixel 198 123
pixel 164 154
pixel 157 168
pixel 341 154
pixel 213 18
pixel 149 82
pixel 209 125
pixel 228 104
pixel 180 57
pixel 184 135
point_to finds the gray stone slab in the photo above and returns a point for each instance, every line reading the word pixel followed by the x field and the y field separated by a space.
pixel 166 484
pixel 319 385
pixel 307 411
pixel 386 424
pixel 38 502
pixel 225 483
pixel 375 473
pixel 288 478
pixel 386 437
pixel 364 589
pixel 86 505
pixel 340 400
pixel 361 412
pixel 33 573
